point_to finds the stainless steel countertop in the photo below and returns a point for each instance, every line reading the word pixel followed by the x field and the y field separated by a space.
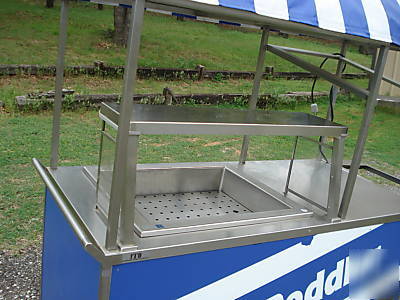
pixel 371 204
pixel 162 119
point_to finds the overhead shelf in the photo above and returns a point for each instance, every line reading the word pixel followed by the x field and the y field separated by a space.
pixel 162 119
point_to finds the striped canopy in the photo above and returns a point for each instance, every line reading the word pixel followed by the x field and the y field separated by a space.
pixel 373 19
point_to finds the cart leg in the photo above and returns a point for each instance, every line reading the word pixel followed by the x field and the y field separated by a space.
pixel 362 137
pixel 55 136
pixel 256 89
pixel 118 193
pixel 335 178
pixel 339 71
pixel 105 282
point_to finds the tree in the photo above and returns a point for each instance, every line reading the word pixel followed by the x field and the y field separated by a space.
pixel 49 3
pixel 122 16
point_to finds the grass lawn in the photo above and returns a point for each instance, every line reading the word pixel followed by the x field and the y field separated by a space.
pixel 31 32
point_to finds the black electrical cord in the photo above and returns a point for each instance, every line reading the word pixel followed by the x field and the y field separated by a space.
pixel 332 114
pixel 316 78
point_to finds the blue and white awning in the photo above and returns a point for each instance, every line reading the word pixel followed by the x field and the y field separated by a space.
pixel 374 19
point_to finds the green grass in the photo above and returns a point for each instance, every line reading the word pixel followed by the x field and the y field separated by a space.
pixel 24 136
pixel 31 32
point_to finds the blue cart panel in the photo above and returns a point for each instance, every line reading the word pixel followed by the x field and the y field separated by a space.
pixel 306 268
pixel 68 271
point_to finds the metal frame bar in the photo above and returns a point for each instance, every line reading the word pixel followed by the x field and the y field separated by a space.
pixel 335 89
pixel 373 65
pixel 362 137
pixel 370 71
pixel 55 136
pixel 308 200
pixel 377 172
pixel 256 89
pixel 306 52
pixel 291 166
pixel 105 282
pixel 318 71
pixel 102 132
pixel 339 71
pixel 341 59
pixel 127 215
pixel 322 144
pixel 120 196
pixel 335 178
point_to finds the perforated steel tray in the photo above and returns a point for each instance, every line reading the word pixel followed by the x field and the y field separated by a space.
pixel 166 208
pixel 176 200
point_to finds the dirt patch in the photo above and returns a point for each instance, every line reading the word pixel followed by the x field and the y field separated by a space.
pixel 217 143
pixel 159 145
pixel 192 140
pixel 212 144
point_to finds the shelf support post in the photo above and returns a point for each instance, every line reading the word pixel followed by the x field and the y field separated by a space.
pixel 372 101
pixel 335 178
pixel 339 71
pixel 55 135
pixel 122 196
pixel 335 90
pixel 256 89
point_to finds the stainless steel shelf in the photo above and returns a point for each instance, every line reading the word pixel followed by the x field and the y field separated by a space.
pixel 161 119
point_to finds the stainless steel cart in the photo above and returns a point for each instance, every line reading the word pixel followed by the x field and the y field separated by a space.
pixel 213 230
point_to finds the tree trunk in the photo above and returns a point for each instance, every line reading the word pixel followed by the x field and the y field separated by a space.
pixel 122 17
pixel 49 3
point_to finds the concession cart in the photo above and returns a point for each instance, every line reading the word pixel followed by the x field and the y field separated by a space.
pixel 276 229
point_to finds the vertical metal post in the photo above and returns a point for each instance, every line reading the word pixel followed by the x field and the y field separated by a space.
pixel 103 128
pixel 335 179
pixel 291 166
pixel 362 137
pixel 55 135
pixel 118 193
pixel 373 64
pixel 127 216
pixel 339 71
pixel 105 282
pixel 256 88
pixel 335 91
